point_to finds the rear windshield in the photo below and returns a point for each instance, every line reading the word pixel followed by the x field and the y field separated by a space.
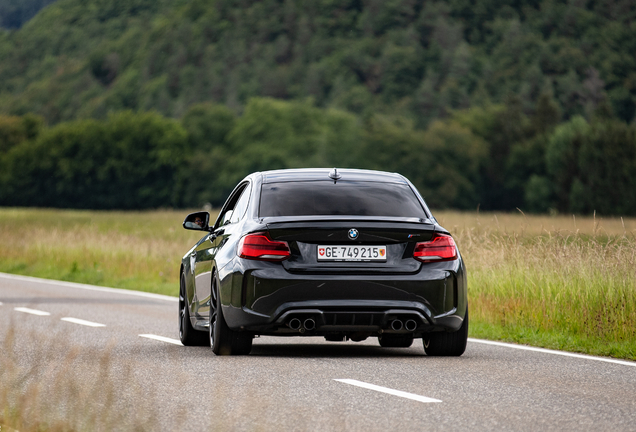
pixel 318 198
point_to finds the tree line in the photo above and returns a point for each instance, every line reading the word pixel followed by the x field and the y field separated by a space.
pixel 495 156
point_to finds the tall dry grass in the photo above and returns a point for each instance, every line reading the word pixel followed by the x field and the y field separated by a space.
pixel 562 282
pixel 52 385
pixel 135 250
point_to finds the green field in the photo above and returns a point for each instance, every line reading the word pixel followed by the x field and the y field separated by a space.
pixel 134 250
pixel 553 281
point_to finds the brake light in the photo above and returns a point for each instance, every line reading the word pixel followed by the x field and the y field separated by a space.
pixel 259 246
pixel 439 248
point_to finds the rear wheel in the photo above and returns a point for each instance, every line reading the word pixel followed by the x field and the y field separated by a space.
pixel 395 341
pixel 447 344
pixel 223 340
pixel 188 335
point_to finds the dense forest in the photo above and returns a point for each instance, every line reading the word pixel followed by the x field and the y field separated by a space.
pixel 496 103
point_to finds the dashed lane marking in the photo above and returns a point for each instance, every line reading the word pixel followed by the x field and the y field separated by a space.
pixel 162 339
pixel 549 351
pixel 388 391
pixel 82 322
pixel 31 311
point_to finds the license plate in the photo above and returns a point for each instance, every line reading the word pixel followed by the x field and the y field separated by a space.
pixel 351 253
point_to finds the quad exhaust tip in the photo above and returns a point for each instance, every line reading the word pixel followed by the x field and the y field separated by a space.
pixel 410 325
pixel 294 324
pixel 309 324
pixel 396 325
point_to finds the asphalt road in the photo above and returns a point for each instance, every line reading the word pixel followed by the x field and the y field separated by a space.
pixel 294 384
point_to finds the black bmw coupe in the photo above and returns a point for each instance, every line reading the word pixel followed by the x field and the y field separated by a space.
pixel 344 254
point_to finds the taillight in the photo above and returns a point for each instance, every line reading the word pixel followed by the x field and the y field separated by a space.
pixel 259 246
pixel 439 248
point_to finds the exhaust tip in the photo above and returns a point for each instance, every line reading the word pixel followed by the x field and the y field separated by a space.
pixel 309 324
pixel 294 324
pixel 410 325
pixel 396 325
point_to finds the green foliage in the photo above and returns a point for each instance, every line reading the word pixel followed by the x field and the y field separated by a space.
pixel 455 158
pixel 207 126
pixel 606 170
pixel 561 158
pixel 444 162
pixel 274 134
pixel 421 60
pixel 494 154
pixel 128 161
pixel 14 130
pixel 538 194
pixel 505 128
pixel 593 166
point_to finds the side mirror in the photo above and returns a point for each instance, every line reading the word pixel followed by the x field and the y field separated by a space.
pixel 198 221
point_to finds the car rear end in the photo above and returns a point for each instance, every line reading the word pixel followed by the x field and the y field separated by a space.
pixel 351 257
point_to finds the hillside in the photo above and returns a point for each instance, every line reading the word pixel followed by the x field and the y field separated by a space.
pixel 497 105
pixel 415 59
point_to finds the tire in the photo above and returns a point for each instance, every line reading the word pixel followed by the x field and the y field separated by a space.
pixel 188 335
pixel 447 344
pixel 222 339
pixel 395 341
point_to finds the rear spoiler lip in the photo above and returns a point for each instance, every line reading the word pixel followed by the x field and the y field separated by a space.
pixel 272 220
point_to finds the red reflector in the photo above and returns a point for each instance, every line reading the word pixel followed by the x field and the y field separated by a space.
pixel 439 248
pixel 260 247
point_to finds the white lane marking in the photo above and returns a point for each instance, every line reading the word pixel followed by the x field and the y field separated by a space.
pixel 549 351
pixel 1 303
pixel 388 390
pixel 82 322
pixel 90 287
pixel 31 311
pixel 162 339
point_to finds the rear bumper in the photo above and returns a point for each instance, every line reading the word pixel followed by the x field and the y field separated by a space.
pixel 266 298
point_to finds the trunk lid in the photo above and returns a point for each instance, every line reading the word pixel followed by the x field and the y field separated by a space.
pixel 398 235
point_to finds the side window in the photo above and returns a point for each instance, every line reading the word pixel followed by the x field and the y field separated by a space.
pixel 235 211
pixel 226 217
pixel 241 205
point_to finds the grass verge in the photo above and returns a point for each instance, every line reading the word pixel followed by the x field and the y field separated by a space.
pixel 551 282
pixel 134 250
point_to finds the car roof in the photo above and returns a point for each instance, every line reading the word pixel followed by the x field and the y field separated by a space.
pixel 317 174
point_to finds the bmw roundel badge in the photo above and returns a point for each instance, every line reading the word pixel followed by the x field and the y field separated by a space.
pixel 353 233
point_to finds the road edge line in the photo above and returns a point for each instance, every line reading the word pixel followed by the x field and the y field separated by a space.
pixel 89 287
pixel 555 352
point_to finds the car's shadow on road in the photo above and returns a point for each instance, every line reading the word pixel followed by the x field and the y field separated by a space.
pixel 333 350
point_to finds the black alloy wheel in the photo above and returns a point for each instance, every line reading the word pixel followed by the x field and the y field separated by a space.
pixel 447 344
pixel 222 339
pixel 395 341
pixel 188 335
